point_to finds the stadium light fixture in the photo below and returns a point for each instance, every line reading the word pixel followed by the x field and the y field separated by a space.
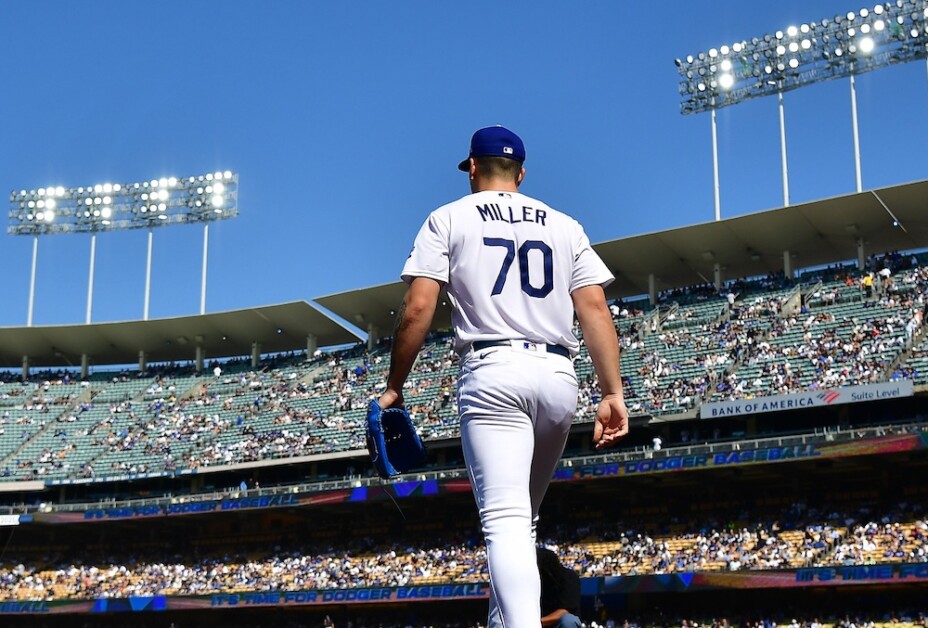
pixel 142 205
pixel 854 43
pixel 844 46
pixel 106 207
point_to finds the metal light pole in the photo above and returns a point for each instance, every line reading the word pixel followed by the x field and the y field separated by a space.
pixel 783 162
pixel 715 167
pixel 35 257
pixel 854 126
pixel 93 254
pixel 203 280
pixel 148 274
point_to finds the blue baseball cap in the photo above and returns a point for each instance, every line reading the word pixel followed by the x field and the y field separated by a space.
pixel 494 141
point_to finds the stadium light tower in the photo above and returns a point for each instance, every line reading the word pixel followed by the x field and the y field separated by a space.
pixel 846 46
pixel 118 206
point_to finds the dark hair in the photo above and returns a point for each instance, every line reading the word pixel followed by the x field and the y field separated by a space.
pixel 499 167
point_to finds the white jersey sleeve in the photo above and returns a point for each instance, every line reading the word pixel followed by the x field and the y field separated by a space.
pixel 589 269
pixel 510 263
pixel 430 252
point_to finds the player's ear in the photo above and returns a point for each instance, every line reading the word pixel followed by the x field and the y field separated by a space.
pixel 520 177
pixel 473 168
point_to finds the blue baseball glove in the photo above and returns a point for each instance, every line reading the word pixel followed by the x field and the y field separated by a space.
pixel 392 441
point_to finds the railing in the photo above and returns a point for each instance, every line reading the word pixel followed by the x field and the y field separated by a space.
pixel 651 323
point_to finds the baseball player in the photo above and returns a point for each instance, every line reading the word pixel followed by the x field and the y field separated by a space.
pixel 515 270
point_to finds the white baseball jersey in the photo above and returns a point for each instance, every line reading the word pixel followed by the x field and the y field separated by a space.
pixel 501 254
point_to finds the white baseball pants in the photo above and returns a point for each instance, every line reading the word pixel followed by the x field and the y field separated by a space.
pixel 516 408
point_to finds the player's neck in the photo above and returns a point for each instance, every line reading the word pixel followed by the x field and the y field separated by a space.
pixel 492 185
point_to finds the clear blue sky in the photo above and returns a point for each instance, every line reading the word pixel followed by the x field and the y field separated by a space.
pixel 345 121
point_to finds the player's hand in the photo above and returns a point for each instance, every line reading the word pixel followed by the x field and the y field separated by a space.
pixel 391 399
pixel 611 421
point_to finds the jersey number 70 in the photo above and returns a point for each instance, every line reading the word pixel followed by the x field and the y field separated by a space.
pixel 528 245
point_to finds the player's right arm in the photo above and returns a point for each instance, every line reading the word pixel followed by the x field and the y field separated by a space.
pixel 412 325
pixel 603 346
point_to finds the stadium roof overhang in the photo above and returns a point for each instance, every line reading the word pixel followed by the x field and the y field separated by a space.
pixel 275 328
pixel 814 234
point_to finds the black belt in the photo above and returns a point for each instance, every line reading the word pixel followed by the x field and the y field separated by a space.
pixel 486 344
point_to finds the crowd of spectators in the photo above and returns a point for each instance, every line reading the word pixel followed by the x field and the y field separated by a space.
pixel 802 536
pixel 815 349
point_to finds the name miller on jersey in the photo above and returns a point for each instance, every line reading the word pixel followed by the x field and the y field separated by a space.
pixel 493 212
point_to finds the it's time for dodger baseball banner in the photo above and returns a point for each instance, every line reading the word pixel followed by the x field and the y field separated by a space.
pixel 879 574
pixel 808 399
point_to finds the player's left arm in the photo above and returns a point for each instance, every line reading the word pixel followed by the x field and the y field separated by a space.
pixel 410 329
pixel 599 333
